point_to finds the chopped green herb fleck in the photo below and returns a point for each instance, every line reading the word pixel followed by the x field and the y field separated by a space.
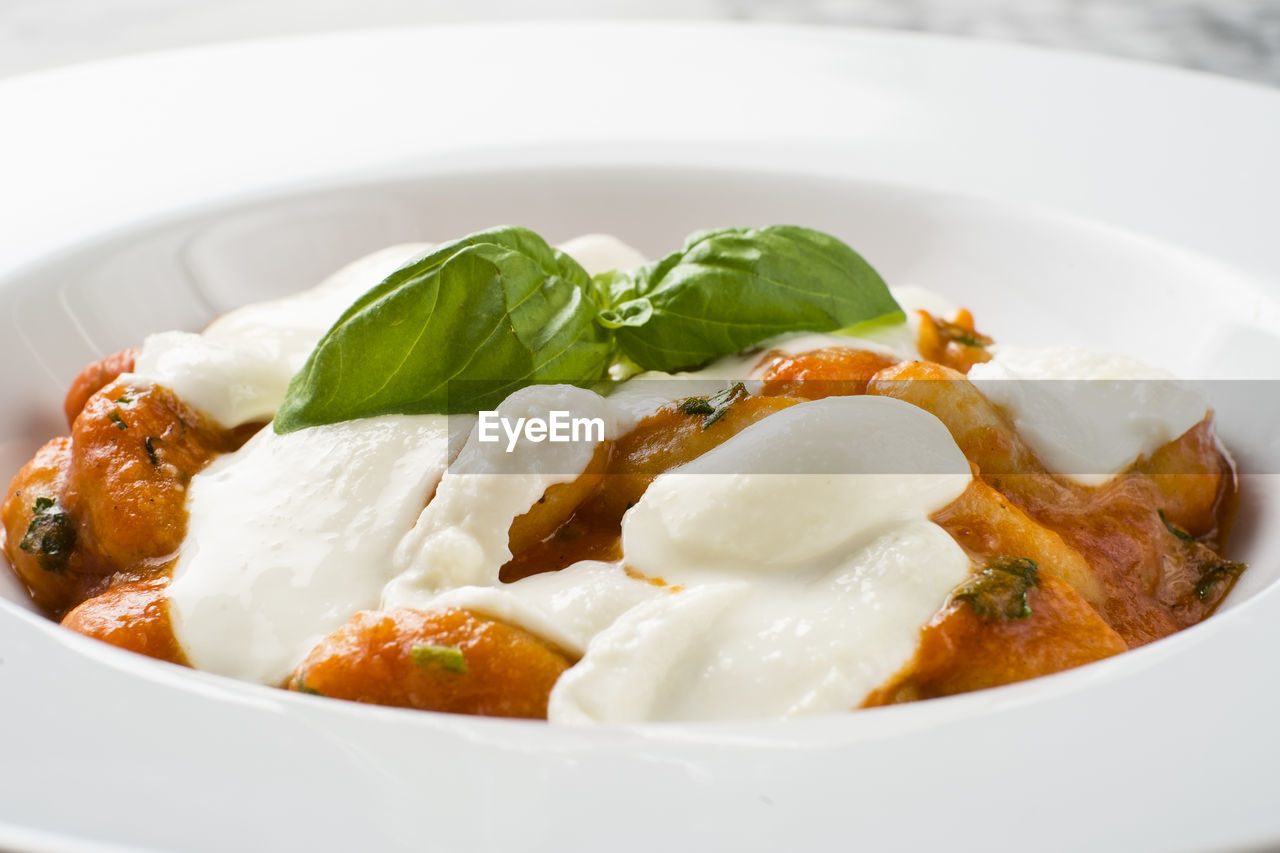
pixel 303 688
pixel 961 335
pixel 1175 529
pixel 150 444
pixel 695 406
pixel 50 537
pixel 713 407
pixel 115 418
pixel 1000 590
pixel 124 399
pixel 1220 572
pixel 448 658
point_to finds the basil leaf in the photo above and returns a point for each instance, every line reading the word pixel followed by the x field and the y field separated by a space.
pixel 732 288
pixel 456 331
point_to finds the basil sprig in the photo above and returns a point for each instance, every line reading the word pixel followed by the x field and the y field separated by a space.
pixel 729 289
pixel 476 319
pixel 500 308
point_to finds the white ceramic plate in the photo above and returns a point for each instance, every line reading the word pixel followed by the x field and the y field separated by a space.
pixel 1066 200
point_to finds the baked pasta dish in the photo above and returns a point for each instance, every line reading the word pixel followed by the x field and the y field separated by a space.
pixel 746 480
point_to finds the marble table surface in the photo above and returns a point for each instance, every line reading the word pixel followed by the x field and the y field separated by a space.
pixel 1240 38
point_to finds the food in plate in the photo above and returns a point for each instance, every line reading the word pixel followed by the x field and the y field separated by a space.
pixel 745 480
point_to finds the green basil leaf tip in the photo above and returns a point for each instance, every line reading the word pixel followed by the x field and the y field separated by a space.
pixel 732 288
pixel 454 332
pixel 460 329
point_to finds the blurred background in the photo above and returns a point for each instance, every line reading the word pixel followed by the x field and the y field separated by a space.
pixel 1239 38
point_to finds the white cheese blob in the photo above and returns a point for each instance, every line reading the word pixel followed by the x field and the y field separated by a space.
pixel 238 369
pixel 566 607
pixel 461 538
pixel 729 649
pixel 1087 415
pixel 766 500
pixel 292 534
pixel 798 592
pixel 452 557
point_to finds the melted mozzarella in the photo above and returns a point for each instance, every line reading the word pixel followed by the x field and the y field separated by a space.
pixel 1087 415
pixel 783 606
pixel 732 649
pixel 452 557
pixel 568 607
pixel 292 534
pixel 762 502
pixel 461 538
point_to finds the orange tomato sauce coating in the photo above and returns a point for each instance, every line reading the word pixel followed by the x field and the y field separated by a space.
pixel 952 343
pixel 93 379
pixel 134 451
pixel 450 661
pixel 133 615
pixel 961 651
pixel 56 578
pixel 1152 582
pixel 828 372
